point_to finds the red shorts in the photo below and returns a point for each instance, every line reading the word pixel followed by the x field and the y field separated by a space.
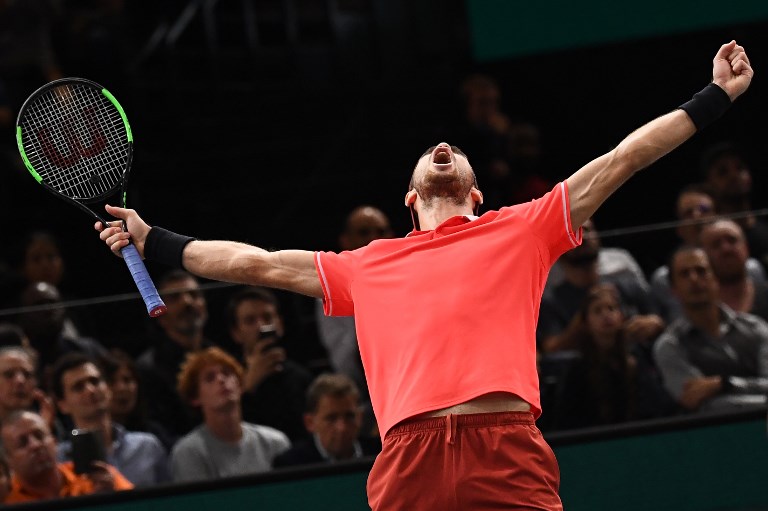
pixel 475 462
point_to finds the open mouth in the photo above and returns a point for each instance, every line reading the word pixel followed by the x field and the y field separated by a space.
pixel 442 157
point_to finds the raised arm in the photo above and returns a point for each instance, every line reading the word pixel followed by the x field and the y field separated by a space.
pixel 227 261
pixel 591 185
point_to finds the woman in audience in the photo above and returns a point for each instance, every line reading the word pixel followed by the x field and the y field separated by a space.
pixel 126 405
pixel 608 383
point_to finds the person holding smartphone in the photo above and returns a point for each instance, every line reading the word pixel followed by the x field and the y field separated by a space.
pixel 81 391
pixel 274 385
pixel 31 452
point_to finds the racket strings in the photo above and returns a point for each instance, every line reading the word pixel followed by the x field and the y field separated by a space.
pixel 76 140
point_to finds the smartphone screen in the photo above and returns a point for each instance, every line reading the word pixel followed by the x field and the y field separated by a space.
pixel 87 447
pixel 269 332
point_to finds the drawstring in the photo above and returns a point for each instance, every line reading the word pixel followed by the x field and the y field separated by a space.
pixel 450 428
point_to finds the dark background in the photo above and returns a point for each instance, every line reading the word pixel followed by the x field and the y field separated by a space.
pixel 273 139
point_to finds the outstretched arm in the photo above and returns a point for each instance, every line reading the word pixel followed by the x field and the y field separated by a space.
pixel 591 185
pixel 229 261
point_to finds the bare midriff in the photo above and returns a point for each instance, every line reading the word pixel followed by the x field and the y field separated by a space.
pixel 487 403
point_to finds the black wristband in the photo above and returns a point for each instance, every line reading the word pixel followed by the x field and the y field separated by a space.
pixel 707 106
pixel 165 246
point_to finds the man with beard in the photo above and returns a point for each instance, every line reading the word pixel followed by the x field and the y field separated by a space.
pixel 31 451
pixel 725 246
pixel 713 357
pixel 181 332
pixel 728 175
pixel 446 317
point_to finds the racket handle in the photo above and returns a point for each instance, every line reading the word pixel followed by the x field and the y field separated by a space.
pixel 155 305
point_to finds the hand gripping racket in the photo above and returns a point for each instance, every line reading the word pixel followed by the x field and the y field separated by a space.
pixel 75 140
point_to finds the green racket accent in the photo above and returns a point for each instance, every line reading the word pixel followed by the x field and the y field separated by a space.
pixel 29 166
pixel 112 99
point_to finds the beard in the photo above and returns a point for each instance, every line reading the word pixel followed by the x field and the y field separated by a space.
pixel 444 187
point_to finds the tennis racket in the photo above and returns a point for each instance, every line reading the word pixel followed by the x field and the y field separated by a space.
pixel 75 140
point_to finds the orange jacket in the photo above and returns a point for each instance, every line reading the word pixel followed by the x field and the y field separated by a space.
pixel 73 485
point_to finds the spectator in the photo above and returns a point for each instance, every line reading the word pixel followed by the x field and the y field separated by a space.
pixel 38 259
pixel 41 259
pixel 711 357
pixel 82 393
pixel 127 406
pixel 181 332
pixel 726 248
pixel 273 385
pixel 31 451
pixel 523 154
pixel 334 419
pixel 337 333
pixel 727 173
pixel 47 329
pixel 18 385
pixel 561 302
pixel 608 383
pixel 223 445
pixel 694 209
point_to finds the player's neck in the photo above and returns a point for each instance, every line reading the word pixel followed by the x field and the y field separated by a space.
pixel 439 211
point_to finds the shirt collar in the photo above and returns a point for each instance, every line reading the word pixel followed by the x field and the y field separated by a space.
pixel 451 222
pixel 326 455
pixel 727 320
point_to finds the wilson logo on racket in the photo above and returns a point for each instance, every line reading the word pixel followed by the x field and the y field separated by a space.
pixel 76 149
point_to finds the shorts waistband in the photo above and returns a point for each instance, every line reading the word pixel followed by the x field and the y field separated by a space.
pixel 470 420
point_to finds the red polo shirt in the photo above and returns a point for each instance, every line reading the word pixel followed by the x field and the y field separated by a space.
pixel 447 315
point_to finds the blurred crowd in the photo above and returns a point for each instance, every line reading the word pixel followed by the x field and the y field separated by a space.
pixel 79 415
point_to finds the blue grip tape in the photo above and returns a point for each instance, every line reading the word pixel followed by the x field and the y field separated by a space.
pixel 152 300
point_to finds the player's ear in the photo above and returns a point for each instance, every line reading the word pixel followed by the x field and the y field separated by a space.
pixel 410 197
pixel 477 199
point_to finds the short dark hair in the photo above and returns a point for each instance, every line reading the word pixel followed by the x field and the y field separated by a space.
pixel 111 363
pixel 700 188
pixel 11 335
pixel 714 153
pixel 671 260
pixel 67 363
pixel 328 384
pixel 20 250
pixel 174 276
pixel 257 294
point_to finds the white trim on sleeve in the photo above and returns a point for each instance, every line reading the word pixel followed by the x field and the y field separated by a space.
pixel 566 215
pixel 326 289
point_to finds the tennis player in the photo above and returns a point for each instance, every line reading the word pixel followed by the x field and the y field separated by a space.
pixel 446 316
